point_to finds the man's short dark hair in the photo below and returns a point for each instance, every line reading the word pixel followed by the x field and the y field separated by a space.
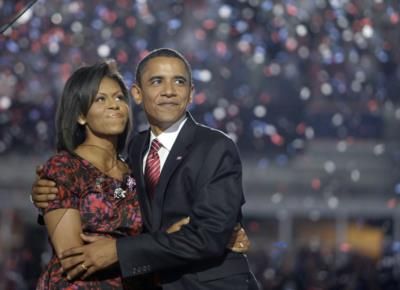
pixel 161 52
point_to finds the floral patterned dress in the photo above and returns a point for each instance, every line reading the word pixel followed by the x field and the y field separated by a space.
pixel 107 206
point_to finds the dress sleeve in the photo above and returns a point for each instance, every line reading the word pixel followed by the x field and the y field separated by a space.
pixel 64 171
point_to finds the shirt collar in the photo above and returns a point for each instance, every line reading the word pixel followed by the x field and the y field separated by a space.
pixel 167 138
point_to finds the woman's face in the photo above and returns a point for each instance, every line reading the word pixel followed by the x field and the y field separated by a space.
pixel 109 113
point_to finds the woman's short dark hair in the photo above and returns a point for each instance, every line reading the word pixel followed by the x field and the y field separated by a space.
pixel 77 97
pixel 160 52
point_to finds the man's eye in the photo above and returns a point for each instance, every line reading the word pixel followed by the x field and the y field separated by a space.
pixel 156 82
pixel 180 81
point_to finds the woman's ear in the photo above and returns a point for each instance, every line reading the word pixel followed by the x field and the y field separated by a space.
pixel 136 94
pixel 81 120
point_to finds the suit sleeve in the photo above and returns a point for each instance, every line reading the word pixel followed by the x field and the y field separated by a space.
pixel 215 211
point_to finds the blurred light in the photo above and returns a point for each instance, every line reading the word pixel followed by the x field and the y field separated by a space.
pixel 202 75
pixel 326 89
pixel 301 30
pixel 391 203
pixel 367 31
pixel 276 197
pixel 241 26
pixel 225 11
pixel 260 111
pixel 103 50
pixel 174 24
pixel 5 103
pixel 345 247
pixel 355 175
pixel 298 143
pixel 259 57
pixel 304 52
pixel 341 146
pixel 356 86
pixel 397 188
pixel 209 24
pixel 56 18
pixel 248 13
pixel 278 10
pixel 379 149
pixel 305 93
pixel 269 274
pixel 333 202
pixel 233 110
pixel 329 166
pixel 54 47
pixel 41 127
pixel 316 183
pixel 74 7
pixel 219 113
pixel 347 35
pixel 19 68
pixel 275 69
pixel 277 139
pixel 337 119
pixel 270 130
pixel 309 133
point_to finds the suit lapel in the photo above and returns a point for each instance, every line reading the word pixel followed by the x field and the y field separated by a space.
pixel 175 157
pixel 139 149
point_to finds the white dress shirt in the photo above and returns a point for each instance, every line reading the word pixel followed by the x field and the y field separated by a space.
pixel 167 140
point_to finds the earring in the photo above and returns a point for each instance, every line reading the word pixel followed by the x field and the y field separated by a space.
pixel 82 123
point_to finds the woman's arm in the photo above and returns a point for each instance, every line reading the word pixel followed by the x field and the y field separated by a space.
pixel 64 227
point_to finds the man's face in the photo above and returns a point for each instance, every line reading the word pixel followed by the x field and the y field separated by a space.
pixel 165 92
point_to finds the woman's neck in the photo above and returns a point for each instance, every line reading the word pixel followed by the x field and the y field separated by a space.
pixel 101 154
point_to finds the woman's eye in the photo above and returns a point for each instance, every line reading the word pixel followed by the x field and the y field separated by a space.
pixel 100 99
pixel 120 98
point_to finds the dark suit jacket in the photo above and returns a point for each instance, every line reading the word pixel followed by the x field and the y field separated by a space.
pixel 201 178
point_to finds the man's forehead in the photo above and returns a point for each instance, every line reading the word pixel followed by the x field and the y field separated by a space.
pixel 162 62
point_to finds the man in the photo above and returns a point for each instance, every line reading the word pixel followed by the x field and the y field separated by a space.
pixel 190 170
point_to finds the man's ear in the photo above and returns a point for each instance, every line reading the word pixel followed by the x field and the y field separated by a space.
pixel 191 93
pixel 136 94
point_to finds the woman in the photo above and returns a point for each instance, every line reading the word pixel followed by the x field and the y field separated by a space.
pixel 96 193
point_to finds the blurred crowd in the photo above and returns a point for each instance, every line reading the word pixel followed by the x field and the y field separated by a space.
pixel 272 74
pixel 312 266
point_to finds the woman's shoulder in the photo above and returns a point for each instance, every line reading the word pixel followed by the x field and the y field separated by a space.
pixel 62 158
pixel 62 163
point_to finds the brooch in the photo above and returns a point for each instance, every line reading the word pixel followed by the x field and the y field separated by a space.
pixel 119 193
pixel 131 183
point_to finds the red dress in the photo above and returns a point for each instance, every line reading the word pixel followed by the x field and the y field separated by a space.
pixel 107 206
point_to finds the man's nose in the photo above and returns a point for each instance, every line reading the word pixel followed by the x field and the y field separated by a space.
pixel 169 89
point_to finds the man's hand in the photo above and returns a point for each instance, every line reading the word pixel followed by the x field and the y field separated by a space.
pixel 43 190
pixel 99 253
pixel 239 240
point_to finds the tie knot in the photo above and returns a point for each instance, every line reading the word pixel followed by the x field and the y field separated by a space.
pixel 155 145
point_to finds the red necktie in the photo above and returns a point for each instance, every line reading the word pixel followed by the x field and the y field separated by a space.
pixel 152 170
